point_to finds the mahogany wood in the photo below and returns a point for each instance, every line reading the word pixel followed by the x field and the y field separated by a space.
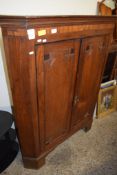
pixel 92 59
pixel 54 77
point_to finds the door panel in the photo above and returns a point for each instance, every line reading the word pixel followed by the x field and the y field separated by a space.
pixel 91 65
pixel 56 74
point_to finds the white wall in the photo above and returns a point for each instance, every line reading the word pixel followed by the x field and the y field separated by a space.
pixel 37 7
pixel 48 7
pixel 4 81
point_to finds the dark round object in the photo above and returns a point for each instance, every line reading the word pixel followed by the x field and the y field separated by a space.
pixel 11 134
pixel 6 121
pixel 8 152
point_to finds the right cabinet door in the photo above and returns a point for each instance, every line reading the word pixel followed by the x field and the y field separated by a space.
pixel 93 56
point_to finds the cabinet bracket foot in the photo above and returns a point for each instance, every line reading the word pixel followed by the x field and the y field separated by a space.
pixel 33 163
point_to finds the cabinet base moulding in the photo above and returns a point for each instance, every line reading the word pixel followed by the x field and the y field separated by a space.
pixel 33 163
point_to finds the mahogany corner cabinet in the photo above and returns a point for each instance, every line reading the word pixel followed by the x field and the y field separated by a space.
pixel 55 67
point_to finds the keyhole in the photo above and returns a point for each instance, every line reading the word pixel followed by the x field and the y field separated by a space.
pixel 46 57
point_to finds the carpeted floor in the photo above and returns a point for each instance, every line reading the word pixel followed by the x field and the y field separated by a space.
pixel 92 153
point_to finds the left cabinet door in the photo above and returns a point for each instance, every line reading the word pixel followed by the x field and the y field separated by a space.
pixel 56 74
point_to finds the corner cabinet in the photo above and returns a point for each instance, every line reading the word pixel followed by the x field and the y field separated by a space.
pixel 55 67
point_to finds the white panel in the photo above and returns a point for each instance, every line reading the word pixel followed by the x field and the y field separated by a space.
pixel 4 96
pixel 48 7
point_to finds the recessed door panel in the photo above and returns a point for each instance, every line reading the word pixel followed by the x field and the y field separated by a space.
pixel 56 74
pixel 90 68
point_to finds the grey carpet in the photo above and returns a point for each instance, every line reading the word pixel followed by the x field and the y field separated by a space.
pixel 92 153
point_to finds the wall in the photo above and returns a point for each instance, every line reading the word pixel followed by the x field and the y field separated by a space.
pixel 4 82
pixel 48 7
pixel 36 7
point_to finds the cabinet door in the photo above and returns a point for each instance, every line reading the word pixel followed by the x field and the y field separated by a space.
pixel 91 65
pixel 56 71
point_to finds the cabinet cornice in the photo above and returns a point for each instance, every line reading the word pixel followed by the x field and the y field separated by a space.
pixel 33 21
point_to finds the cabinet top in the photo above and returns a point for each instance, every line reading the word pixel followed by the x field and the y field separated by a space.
pixel 29 21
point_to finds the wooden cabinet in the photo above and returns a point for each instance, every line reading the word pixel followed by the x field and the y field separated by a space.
pixel 55 68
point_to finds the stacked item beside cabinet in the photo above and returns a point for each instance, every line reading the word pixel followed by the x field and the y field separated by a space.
pixel 107 98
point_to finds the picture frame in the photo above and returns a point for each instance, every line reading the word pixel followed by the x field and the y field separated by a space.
pixel 107 101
